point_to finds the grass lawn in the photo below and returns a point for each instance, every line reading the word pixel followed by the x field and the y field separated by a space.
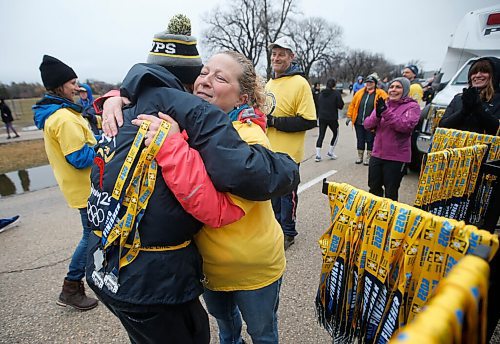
pixel 21 155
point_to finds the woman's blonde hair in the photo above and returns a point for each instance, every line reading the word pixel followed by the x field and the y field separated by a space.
pixel 250 83
pixel 483 66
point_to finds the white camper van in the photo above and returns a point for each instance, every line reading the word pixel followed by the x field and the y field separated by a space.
pixel 477 35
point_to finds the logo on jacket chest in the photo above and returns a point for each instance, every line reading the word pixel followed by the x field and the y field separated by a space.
pixel 270 104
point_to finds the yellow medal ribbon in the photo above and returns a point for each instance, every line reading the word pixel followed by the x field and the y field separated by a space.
pixel 137 194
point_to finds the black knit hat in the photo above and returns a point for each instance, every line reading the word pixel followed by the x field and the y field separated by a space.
pixel 55 73
pixel 413 68
pixel 175 49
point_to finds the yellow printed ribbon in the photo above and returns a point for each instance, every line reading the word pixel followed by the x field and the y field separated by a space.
pixel 138 191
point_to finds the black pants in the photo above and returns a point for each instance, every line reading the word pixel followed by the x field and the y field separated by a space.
pixel 334 127
pixel 364 137
pixel 384 176
pixel 179 324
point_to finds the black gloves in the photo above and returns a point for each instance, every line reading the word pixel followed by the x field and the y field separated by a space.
pixel 380 107
pixel 270 121
pixel 471 101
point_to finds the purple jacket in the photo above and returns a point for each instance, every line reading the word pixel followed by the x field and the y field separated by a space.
pixel 394 129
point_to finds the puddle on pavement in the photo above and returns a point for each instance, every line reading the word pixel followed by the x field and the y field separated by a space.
pixel 31 179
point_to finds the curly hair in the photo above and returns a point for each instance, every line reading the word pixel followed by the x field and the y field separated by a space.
pixel 250 83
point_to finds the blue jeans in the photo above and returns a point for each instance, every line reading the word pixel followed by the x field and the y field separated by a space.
pixel 79 260
pixel 259 309
pixel 285 211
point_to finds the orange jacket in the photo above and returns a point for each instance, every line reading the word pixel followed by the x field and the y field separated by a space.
pixel 352 111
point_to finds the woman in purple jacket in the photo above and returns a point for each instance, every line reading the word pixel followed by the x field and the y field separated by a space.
pixel 393 123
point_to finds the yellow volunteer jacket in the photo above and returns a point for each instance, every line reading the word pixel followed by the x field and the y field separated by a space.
pixel 247 254
pixel 66 132
pixel 289 96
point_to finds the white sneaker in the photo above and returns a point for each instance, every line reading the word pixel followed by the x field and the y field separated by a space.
pixel 317 158
pixel 332 156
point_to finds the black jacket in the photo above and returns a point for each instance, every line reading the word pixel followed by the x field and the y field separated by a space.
pixel 329 103
pixel 484 121
pixel 6 113
pixel 253 172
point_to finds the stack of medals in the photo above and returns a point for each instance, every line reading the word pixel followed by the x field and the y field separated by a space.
pixel 456 313
pixel 450 138
pixel 448 180
pixel 382 260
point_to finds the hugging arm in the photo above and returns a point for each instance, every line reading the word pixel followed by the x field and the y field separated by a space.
pixel 185 175
pixel 251 172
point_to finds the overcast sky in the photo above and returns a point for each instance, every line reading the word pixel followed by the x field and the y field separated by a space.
pixel 102 39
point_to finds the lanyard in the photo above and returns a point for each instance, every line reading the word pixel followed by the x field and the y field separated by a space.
pixel 137 193
pixel 383 260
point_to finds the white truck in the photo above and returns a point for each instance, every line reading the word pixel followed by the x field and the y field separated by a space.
pixel 477 35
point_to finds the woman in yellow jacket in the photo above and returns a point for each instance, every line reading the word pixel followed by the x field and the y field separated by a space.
pixel 69 146
pixel 243 261
pixel 362 105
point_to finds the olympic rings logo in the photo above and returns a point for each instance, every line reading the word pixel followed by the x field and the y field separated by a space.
pixel 95 215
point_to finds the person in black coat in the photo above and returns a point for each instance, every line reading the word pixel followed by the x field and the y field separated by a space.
pixel 150 276
pixel 477 109
pixel 329 103
pixel 7 119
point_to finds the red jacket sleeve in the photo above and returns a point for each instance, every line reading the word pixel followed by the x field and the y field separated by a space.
pixel 99 102
pixel 185 175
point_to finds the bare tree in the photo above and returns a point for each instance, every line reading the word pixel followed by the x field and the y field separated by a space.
pixel 361 62
pixel 316 41
pixel 237 28
pixel 329 68
pixel 248 26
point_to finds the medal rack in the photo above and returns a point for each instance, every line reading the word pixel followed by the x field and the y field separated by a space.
pixel 482 204
pixel 487 197
pixel 346 330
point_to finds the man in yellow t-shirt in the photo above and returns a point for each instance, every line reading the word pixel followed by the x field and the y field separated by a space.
pixel 290 112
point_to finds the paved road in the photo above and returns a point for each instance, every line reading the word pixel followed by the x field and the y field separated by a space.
pixel 29 133
pixel 35 257
pixel 36 254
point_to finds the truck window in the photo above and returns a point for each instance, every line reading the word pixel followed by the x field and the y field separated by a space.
pixel 462 78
